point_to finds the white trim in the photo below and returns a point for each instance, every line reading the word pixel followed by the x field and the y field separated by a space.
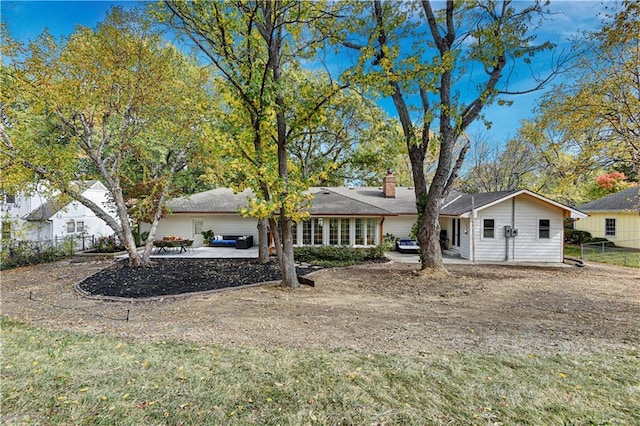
pixel 615 227
pixel 495 228
pixel 538 219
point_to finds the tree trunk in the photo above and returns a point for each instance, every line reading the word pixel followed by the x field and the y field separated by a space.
pixel 288 267
pixel 429 235
pixel 263 241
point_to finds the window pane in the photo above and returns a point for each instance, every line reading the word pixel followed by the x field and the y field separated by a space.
pixel 317 231
pixel 488 228
pixel 197 227
pixel 333 231
pixel 80 227
pixel 371 232
pixel 345 227
pixel 359 232
pixel 71 227
pixel 306 232
pixel 294 232
pixel 6 230
pixel 544 226
pixel 610 227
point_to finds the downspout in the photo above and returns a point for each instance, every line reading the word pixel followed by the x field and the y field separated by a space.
pixel 513 226
pixel 471 229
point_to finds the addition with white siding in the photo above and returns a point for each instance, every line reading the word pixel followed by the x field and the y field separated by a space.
pixel 516 225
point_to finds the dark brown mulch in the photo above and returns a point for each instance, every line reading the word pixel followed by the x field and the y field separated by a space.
pixel 178 276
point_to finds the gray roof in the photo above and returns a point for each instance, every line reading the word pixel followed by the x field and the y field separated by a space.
pixel 344 201
pixel 462 204
pixel 623 200
pixel 219 200
pixel 48 209
pixel 326 201
pixel 44 212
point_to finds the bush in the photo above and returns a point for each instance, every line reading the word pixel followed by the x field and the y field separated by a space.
pixel 22 253
pixel 577 237
pixel 333 256
pixel 108 245
pixel 606 242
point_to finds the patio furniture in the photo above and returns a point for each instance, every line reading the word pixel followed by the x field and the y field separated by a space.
pixel 407 246
pixel 163 245
pixel 237 241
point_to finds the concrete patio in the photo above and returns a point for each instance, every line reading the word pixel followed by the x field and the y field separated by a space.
pixel 252 253
pixel 209 253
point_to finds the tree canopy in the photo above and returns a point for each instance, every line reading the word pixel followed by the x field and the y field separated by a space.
pixel 116 98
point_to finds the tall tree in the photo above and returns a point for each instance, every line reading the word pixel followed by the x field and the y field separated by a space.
pixel 595 120
pixel 350 140
pixel 116 96
pixel 499 168
pixel 425 59
pixel 256 47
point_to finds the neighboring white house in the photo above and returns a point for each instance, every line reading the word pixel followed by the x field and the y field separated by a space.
pixel 477 226
pixel 34 217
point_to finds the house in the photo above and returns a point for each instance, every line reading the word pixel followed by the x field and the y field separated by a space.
pixel 514 225
pixel 35 217
pixel 614 217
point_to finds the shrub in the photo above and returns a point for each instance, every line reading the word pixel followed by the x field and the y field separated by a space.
pixel 22 253
pixel 577 237
pixel 108 245
pixel 332 256
pixel 606 242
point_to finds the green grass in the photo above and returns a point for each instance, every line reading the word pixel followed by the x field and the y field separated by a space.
pixel 65 378
pixel 612 257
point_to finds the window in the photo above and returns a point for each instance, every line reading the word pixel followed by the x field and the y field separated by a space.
pixel 9 198
pixel 198 226
pixel 544 228
pixel 371 232
pixel 359 232
pixel 488 228
pixel 294 233
pixel 306 232
pixel 71 227
pixel 334 231
pixel 345 227
pixel 79 226
pixel 317 231
pixel 610 227
pixel 6 230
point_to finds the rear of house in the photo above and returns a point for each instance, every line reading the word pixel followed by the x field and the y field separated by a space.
pixel 513 225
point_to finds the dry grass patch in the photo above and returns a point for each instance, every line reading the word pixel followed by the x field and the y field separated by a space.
pixel 68 378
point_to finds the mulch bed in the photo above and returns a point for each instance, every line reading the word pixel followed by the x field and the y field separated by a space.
pixel 179 276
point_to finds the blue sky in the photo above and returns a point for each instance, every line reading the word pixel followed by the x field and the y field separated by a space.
pixel 27 19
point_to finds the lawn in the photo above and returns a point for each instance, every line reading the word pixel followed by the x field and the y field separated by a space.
pixel 60 377
pixel 619 257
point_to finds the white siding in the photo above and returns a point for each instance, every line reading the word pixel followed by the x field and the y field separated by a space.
pixel 400 226
pixel 526 247
pixel 181 225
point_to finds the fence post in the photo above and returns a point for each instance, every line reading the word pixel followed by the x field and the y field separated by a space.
pixel 581 250
pixel 625 257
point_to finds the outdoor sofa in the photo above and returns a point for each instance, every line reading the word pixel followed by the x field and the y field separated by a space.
pixel 237 241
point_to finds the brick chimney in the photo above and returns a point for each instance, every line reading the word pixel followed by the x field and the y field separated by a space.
pixel 389 185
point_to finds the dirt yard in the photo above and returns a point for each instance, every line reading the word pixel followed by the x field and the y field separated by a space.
pixel 372 308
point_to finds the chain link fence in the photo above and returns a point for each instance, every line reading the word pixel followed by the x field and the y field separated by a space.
pixel 606 252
